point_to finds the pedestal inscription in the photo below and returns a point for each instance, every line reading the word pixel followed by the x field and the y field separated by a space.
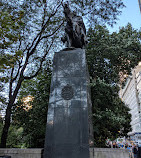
pixel 67 92
pixel 67 120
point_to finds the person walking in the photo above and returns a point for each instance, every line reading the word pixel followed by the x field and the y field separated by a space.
pixel 139 152
pixel 135 151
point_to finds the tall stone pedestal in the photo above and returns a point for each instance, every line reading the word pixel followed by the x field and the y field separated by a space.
pixel 67 131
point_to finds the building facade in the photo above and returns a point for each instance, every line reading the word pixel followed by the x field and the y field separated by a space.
pixel 140 4
pixel 131 96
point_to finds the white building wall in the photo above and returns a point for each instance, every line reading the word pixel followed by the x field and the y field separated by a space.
pixel 131 95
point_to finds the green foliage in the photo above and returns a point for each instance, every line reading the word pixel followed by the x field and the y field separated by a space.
pixel 1 126
pixel 15 137
pixel 110 115
pixel 33 121
pixel 30 29
pixel 10 25
pixel 110 57
pixel 113 54
pixel 21 21
pixel 10 29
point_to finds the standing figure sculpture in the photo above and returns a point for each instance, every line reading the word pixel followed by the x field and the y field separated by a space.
pixel 69 109
pixel 75 31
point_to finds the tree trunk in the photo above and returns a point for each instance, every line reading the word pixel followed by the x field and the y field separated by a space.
pixel 8 110
pixel 6 126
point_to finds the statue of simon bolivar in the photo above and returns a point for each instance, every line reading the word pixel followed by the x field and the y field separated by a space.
pixel 75 31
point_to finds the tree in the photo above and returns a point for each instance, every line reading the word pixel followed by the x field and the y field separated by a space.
pixel 110 114
pixel 31 116
pixel 21 68
pixel 113 54
pixel 37 31
pixel 9 25
pixel 110 59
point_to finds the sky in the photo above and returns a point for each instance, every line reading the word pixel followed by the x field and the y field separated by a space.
pixel 129 14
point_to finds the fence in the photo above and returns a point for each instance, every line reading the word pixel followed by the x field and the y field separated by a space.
pixel 94 153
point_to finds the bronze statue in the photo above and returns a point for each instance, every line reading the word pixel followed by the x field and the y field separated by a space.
pixel 75 31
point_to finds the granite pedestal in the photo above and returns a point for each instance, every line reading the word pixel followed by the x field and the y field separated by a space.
pixel 67 132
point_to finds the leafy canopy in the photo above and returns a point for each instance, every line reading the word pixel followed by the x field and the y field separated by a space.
pixel 31 29
pixel 33 120
pixel 110 59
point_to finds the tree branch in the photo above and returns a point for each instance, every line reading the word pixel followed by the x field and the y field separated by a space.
pixel 40 33
pixel 29 53
pixel 53 32
pixel 45 6
pixel 41 63
pixel 10 84
pixel 17 72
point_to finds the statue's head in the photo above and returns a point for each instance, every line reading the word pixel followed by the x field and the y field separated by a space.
pixel 66 4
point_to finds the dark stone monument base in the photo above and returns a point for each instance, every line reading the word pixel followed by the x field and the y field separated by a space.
pixel 67 133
